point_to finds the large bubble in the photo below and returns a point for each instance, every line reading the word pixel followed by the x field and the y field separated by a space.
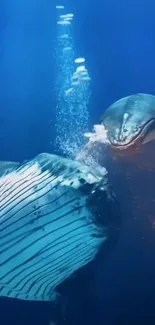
pixel 59 7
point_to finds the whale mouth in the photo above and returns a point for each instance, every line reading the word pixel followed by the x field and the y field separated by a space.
pixel 146 134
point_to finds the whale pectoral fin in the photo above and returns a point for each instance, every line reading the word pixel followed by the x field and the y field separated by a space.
pixel 7 166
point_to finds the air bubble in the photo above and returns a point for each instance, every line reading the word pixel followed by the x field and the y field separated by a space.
pixel 60 7
pixel 80 60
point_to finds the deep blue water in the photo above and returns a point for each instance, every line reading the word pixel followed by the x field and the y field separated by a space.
pixel 118 40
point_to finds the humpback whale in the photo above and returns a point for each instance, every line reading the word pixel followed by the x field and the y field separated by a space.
pixel 55 214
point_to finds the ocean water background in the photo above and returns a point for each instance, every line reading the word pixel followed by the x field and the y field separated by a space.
pixel 118 40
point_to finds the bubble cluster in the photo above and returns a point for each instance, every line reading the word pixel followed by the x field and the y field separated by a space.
pixel 80 76
pixel 73 91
